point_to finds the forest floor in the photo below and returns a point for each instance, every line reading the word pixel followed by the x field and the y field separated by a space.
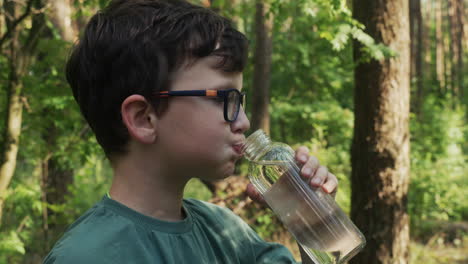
pixel 439 253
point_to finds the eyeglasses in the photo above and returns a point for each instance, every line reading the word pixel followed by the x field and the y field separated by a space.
pixel 232 99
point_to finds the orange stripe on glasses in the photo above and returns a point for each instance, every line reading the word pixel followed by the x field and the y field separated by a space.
pixel 211 93
pixel 163 94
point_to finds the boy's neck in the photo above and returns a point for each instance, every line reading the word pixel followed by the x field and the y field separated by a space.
pixel 148 189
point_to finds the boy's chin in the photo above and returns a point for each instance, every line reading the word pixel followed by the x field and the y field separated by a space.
pixel 222 171
pixel 220 175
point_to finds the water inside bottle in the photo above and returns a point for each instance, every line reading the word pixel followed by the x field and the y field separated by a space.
pixel 316 225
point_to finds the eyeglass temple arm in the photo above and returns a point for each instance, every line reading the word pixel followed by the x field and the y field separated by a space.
pixel 209 93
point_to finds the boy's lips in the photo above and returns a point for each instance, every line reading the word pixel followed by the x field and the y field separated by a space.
pixel 238 148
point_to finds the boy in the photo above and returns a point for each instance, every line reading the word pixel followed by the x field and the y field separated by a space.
pixel 159 83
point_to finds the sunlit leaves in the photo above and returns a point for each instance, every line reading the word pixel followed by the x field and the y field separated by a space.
pixel 311 104
pixel 11 243
pixel 438 163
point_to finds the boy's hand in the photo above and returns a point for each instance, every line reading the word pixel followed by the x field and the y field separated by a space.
pixel 311 170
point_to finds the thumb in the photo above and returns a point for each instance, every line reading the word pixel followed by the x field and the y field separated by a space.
pixel 255 195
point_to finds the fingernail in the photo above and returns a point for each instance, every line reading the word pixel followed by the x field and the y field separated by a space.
pixel 307 171
pixel 315 181
pixel 303 158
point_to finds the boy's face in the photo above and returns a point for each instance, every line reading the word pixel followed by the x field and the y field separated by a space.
pixel 192 133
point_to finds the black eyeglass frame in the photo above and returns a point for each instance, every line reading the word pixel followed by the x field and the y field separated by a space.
pixel 211 93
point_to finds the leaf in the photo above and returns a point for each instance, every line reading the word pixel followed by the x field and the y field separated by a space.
pixel 11 243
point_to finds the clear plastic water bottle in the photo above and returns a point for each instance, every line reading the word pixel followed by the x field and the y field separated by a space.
pixel 312 216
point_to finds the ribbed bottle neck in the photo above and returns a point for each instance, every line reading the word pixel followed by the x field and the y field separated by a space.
pixel 255 145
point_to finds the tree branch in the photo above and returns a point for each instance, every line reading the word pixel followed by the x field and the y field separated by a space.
pixel 15 23
pixel 38 24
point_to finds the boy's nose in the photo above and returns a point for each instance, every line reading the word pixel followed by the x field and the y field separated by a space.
pixel 242 123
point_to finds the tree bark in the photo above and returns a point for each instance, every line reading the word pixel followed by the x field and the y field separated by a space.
pixel 413 26
pixel 440 49
pixel 61 17
pixel 54 187
pixel 416 33
pixel 380 149
pixel 12 129
pixel 428 33
pixel 456 22
pixel 11 21
pixel 262 71
pixel 45 213
pixel 13 113
pixel 19 57
pixel 462 20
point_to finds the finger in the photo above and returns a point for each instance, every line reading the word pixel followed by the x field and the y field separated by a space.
pixel 319 177
pixel 331 184
pixel 310 167
pixel 254 194
pixel 302 154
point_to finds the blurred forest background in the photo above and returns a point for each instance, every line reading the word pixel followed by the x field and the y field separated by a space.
pixel 316 67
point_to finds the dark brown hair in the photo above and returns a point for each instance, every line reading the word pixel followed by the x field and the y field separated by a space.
pixel 132 46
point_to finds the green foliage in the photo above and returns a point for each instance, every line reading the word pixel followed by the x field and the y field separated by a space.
pixel 91 182
pixel 330 20
pixel 266 224
pixel 52 129
pixel 52 117
pixel 439 166
pixel 324 122
pixel 87 8
pixel 440 130
pixel 311 105
pixel 11 243
pixel 197 190
pixel 22 221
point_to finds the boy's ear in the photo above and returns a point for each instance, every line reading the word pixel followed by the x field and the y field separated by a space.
pixel 140 119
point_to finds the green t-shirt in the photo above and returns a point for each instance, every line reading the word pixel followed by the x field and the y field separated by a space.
pixel 113 233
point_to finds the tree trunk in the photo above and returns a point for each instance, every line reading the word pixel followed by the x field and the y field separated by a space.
pixel 61 17
pixel 54 185
pixel 440 50
pixel 428 33
pixel 447 47
pixel 19 57
pixel 456 20
pixel 13 113
pixel 11 21
pixel 262 71
pixel 416 33
pixel 54 178
pixel 461 20
pixel 45 213
pixel 12 129
pixel 380 149
pixel 413 27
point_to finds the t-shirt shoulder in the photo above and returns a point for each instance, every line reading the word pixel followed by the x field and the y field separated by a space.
pixel 79 243
pixel 219 219
pixel 223 221
pixel 112 233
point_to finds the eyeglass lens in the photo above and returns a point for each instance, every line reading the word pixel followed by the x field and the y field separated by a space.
pixel 233 105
